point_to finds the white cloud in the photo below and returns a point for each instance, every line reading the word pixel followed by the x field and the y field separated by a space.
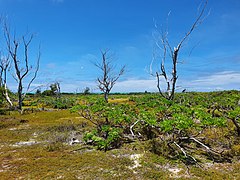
pixel 225 80
pixel 130 85
pixel 135 85
pixel 78 86
pixel 51 65
pixel 218 81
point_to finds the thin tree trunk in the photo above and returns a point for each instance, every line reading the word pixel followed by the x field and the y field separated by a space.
pixel 20 98
pixel 106 96
pixel 234 120
pixel 174 73
pixel 6 89
pixel 7 96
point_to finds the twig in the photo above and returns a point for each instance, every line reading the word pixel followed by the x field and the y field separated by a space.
pixel 131 128
pixel 205 146
pixel 200 143
pixel 88 117
pixel 185 154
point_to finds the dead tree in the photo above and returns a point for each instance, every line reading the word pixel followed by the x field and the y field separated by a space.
pixel 4 65
pixel 109 77
pixel 55 89
pixel 163 45
pixel 22 67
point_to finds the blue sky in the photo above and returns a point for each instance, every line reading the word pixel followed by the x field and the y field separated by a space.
pixel 72 33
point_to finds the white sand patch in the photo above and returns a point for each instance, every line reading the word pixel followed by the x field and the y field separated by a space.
pixel 25 143
pixel 136 161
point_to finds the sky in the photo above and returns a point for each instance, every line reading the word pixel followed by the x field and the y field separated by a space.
pixel 72 33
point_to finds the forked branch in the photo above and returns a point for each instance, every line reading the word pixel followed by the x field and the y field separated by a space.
pixel 163 45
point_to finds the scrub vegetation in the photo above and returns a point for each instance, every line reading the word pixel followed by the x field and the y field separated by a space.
pixel 133 136
pixel 164 135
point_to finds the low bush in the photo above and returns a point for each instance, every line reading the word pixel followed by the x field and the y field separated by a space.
pixel 148 117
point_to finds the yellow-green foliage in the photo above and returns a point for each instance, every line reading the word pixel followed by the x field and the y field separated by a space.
pixel 236 150
pixel 35 146
pixel 119 100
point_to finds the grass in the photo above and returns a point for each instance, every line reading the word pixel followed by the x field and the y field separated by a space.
pixel 36 146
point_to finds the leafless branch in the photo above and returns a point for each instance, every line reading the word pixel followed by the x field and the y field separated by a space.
pixel 5 62
pixel 13 45
pixel 197 22
pixel 162 43
pixel 131 128
pixel 184 152
pixel 108 79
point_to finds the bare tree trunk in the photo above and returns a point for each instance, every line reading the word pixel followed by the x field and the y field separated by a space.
pixel 13 46
pixel 108 79
pixel 4 66
pixel 106 97
pixel 6 90
pixel 174 74
pixel 163 45
pixel 234 120
pixel 1 78
pixel 7 96
pixel 20 95
pixel 58 90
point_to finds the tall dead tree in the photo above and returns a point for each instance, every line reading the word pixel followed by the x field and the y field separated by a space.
pixel 21 64
pixel 4 65
pixel 169 52
pixel 109 77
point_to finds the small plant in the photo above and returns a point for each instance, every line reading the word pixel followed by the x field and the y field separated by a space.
pixel 53 146
pixel 104 139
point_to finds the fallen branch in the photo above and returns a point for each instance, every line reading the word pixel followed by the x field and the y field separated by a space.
pixel 205 146
pixel 208 149
pixel 131 128
pixel 234 120
pixel 199 142
pixel 185 154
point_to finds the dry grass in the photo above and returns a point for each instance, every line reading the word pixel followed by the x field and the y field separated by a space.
pixel 119 100
pixel 35 146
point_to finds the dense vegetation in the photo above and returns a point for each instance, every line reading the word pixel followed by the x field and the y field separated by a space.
pixel 133 135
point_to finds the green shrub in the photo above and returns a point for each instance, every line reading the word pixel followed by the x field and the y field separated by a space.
pixel 47 93
pixel 104 139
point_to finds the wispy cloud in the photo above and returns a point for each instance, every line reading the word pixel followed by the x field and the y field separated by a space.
pixel 221 78
pixel 77 86
pixel 224 80
pixel 217 81
pixel 51 65
pixel 135 85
